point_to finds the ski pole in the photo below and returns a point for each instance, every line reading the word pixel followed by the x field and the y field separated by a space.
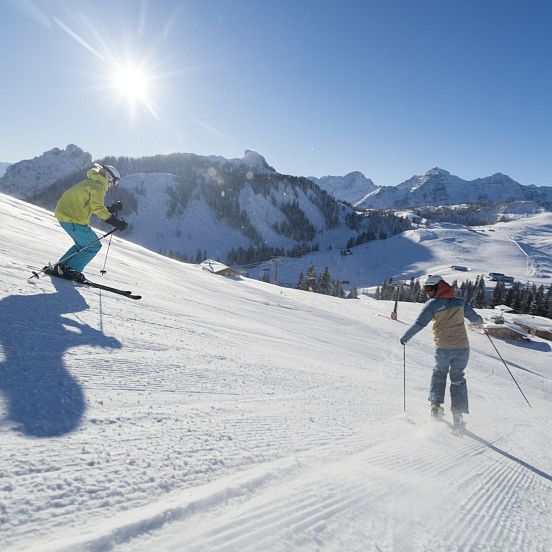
pixel 404 377
pixel 509 371
pixel 103 270
pixel 36 273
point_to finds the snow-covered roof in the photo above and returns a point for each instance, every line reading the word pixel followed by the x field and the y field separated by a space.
pixel 508 325
pixel 215 267
pixel 535 322
pixel 503 308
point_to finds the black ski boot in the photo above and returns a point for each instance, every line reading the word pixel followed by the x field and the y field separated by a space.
pixel 63 271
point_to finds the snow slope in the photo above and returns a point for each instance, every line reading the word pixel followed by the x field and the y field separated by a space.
pixel 219 414
pixel 521 248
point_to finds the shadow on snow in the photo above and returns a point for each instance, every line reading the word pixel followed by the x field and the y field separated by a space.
pixel 42 398
pixel 515 459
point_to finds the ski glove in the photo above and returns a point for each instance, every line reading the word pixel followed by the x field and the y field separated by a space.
pixel 115 208
pixel 403 341
pixel 120 224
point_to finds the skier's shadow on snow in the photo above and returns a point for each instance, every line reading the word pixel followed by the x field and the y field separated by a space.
pixel 41 397
pixel 515 459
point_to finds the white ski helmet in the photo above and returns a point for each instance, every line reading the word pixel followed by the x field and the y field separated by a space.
pixel 113 175
pixel 432 280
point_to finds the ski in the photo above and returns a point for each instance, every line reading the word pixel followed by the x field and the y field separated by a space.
pixel 125 293
pixel 117 291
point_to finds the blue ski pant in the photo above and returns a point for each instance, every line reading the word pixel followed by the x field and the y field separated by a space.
pixel 82 235
pixel 455 361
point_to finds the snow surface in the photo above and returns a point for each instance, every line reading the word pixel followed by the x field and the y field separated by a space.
pixel 220 414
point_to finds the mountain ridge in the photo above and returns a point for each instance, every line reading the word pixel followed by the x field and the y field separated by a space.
pixel 190 206
pixel 439 187
pixel 242 210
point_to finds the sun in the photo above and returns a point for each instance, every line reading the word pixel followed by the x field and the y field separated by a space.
pixel 131 82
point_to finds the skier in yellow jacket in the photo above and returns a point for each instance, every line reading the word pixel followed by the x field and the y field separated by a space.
pixel 73 212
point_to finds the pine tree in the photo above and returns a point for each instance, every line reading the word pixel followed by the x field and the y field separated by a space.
pixel 548 302
pixel 527 298
pixel 325 282
pixel 302 284
pixel 540 301
pixel 510 292
pixel 517 298
pixel 310 281
pixel 499 294
pixel 478 297
pixel 337 289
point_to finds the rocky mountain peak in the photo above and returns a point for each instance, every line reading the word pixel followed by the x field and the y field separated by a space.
pixel 255 160
pixel 26 178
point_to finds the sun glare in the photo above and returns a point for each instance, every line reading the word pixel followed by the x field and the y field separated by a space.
pixel 131 82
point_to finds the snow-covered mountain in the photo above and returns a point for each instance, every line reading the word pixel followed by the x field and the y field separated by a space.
pixel 189 206
pixel 3 167
pixel 243 211
pixel 220 414
pixel 352 187
pixel 28 178
pixel 439 187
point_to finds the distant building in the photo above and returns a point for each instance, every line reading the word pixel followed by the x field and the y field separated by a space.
pixel 461 268
pixel 535 325
pixel 500 277
pixel 505 330
pixel 218 268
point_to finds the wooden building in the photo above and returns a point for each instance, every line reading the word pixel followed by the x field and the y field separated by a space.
pixel 506 330
pixel 535 325
pixel 218 268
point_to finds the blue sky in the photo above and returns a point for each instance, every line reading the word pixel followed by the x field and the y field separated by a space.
pixel 390 88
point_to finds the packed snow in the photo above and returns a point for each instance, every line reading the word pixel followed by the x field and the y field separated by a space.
pixel 229 414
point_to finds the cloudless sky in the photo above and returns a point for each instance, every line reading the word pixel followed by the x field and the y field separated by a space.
pixel 390 88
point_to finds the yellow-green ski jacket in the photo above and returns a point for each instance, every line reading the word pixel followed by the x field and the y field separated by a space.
pixel 79 202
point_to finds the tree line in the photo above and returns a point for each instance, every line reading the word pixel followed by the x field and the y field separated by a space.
pixel 525 298
pixel 320 283
pixel 475 214
pixel 374 225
